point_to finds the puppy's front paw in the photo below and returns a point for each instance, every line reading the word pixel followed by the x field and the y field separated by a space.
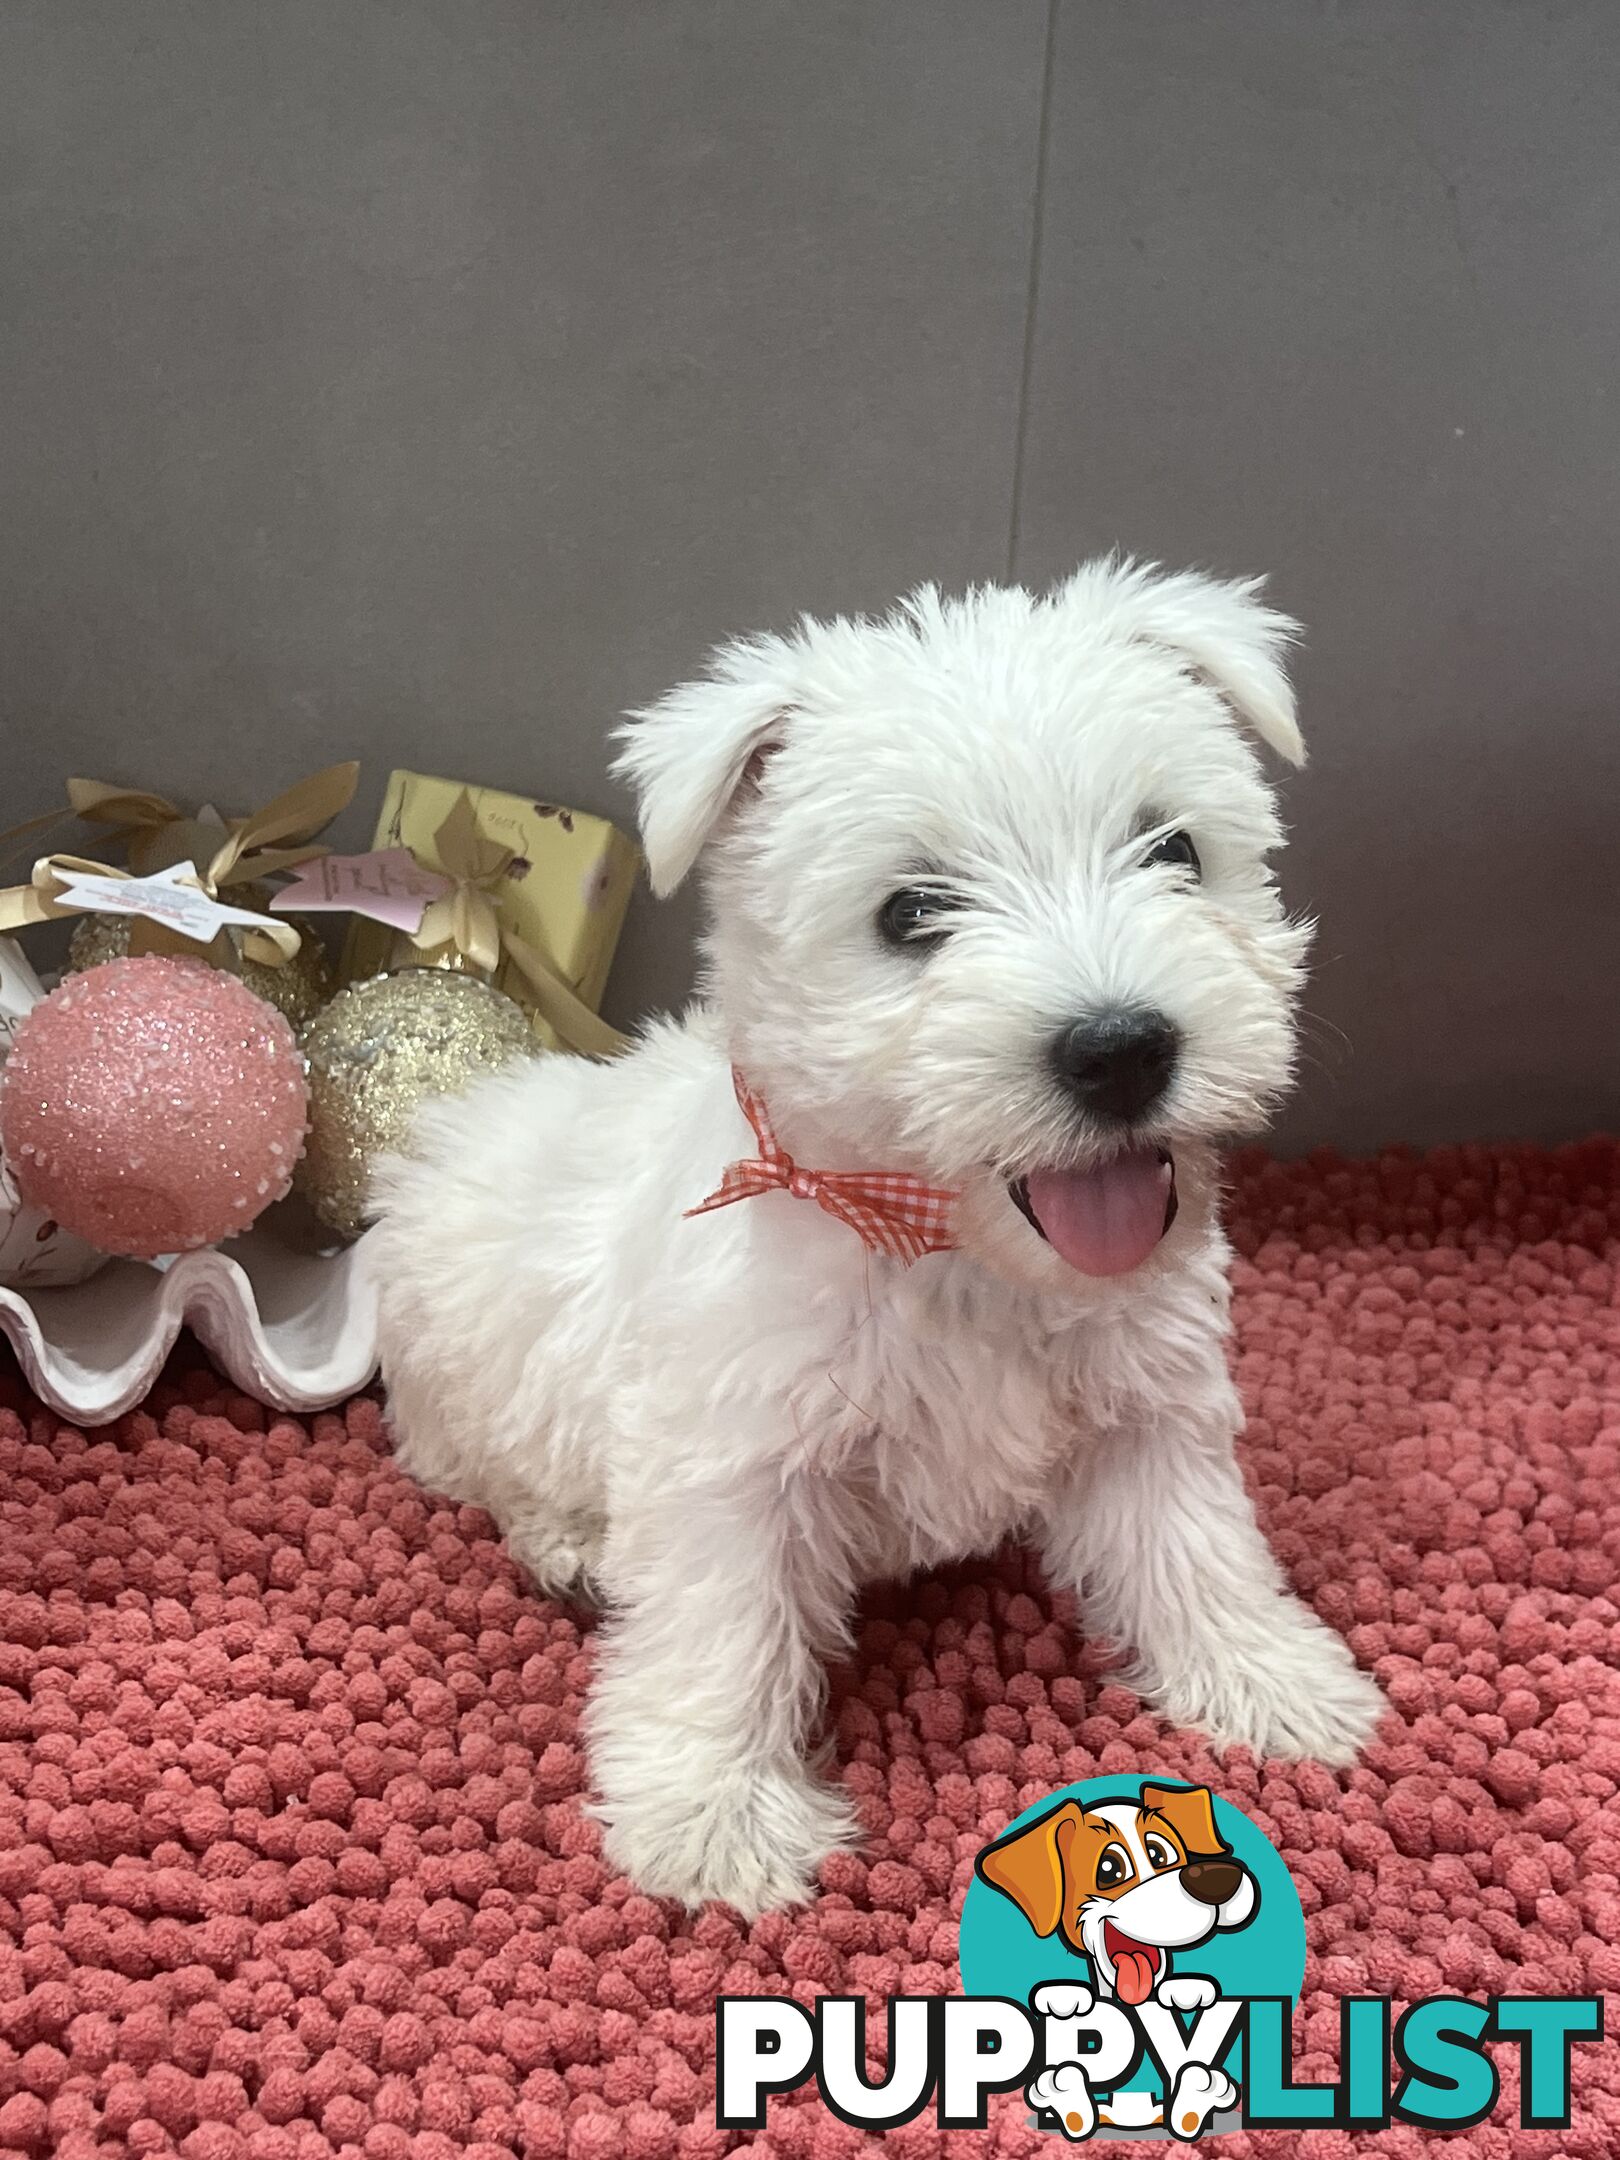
pixel 1063 1999
pixel 754 1840
pixel 1290 1688
pixel 1185 1991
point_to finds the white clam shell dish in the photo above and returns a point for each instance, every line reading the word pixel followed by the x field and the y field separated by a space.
pixel 293 1326
pixel 296 1330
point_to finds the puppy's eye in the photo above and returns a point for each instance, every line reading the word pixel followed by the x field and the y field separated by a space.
pixel 915 913
pixel 1113 1867
pixel 1175 851
pixel 1159 1853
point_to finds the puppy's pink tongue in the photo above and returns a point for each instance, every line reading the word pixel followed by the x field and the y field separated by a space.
pixel 1105 1221
pixel 1133 1975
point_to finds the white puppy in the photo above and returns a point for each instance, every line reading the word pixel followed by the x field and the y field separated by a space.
pixel 989 915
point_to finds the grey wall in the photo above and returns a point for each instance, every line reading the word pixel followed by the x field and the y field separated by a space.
pixel 430 381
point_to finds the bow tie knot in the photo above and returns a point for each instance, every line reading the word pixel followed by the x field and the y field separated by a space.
pixel 889 1210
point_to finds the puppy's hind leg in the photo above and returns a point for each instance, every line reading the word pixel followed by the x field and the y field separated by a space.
pixel 454 1441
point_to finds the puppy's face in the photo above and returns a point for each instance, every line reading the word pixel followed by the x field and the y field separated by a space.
pixel 1125 1883
pixel 989 892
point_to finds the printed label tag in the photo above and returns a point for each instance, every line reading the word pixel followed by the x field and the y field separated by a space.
pixel 171 897
pixel 388 886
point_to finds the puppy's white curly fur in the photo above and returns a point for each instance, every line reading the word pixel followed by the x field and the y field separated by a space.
pixel 727 1424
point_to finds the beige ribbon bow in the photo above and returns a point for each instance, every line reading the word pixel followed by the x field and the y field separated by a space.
pixel 158 831
pixel 465 927
pixel 249 851
pixel 131 810
pixel 296 815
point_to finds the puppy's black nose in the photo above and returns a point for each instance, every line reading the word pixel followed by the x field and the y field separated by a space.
pixel 1211 1882
pixel 1117 1063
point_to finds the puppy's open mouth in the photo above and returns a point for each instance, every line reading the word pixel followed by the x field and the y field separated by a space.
pixel 1136 1965
pixel 1105 1220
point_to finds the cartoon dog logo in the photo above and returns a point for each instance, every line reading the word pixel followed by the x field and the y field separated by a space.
pixel 1126 1884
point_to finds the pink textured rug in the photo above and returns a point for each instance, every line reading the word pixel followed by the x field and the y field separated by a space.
pixel 292 1862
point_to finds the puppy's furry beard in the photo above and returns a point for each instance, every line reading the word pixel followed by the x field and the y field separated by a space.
pixel 939 1061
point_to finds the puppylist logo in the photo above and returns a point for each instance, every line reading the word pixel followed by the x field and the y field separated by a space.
pixel 1132 1950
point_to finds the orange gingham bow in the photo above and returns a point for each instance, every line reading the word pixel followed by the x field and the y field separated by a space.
pixel 888 1210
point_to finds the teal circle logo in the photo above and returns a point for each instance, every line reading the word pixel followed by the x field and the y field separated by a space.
pixel 1140 1894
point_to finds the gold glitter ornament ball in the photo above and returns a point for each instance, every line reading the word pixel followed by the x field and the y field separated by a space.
pixel 378 1051
pixel 297 991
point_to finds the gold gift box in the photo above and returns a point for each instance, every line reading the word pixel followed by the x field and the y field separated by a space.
pixel 565 892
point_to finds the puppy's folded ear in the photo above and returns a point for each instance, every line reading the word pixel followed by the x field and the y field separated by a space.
pixel 1222 630
pixel 690 755
pixel 1028 1864
pixel 1190 1812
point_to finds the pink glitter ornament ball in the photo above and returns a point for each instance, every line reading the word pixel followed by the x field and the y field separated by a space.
pixel 153 1105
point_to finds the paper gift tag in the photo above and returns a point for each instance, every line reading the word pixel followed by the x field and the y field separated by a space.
pixel 20 990
pixel 36 1253
pixel 388 885
pixel 171 897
